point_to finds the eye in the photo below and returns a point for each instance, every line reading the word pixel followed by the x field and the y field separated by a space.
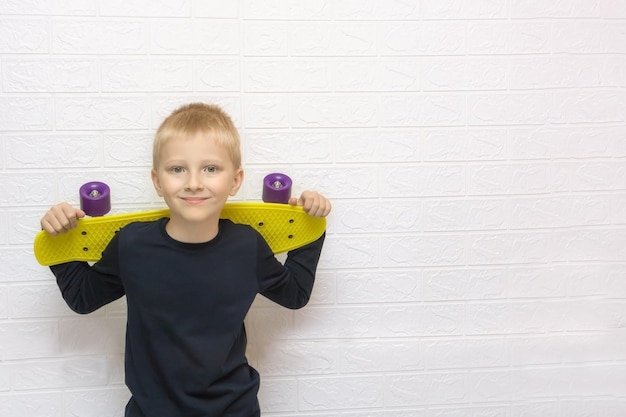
pixel 176 170
pixel 210 169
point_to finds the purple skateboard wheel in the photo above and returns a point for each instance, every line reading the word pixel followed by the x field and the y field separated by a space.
pixel 276 188
pixel 95 198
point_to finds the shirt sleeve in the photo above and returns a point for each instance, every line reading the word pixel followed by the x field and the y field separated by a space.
pixel 86 288
pixel 291 284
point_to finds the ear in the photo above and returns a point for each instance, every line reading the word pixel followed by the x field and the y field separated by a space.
pixel 156 182
pixel 237 181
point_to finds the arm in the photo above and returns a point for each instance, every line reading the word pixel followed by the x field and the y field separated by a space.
pixel 291 285
pixel 84 288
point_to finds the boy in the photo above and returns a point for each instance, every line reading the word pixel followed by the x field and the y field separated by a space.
pixel 189 280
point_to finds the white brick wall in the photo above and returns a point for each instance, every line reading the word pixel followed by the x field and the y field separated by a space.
pixel 475 152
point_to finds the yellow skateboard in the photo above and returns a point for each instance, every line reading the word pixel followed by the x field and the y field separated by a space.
pixel 284 227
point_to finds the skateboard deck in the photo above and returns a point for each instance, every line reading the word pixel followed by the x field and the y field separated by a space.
pixel 284 227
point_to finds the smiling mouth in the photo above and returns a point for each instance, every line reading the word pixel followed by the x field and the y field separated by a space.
pixel 194 200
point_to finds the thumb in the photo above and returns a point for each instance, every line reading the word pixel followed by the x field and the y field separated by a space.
pixel 293 201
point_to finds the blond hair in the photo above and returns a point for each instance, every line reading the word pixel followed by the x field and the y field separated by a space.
pixel 199 117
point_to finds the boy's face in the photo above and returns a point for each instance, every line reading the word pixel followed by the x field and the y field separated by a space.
pixel 195 177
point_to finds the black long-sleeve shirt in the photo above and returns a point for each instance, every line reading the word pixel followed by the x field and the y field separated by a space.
pixel 185 340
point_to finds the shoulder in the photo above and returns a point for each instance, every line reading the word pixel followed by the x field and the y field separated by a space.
pixel 227 227
pixel 139 230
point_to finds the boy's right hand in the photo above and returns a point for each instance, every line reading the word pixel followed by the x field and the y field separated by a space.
pixel 61 218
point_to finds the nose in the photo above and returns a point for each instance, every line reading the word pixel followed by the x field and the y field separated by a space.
pixel 194 182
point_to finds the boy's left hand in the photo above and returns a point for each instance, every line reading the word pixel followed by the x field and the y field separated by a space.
pixel 313 203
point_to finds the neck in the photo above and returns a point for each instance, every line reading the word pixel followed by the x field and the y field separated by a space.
pixel 192 232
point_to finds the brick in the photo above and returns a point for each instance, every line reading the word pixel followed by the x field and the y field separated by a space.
pixel 364 146
pixel 321 322
pixel 452 354
pixel 340 393
pixel 294 10
pixel 198 37
pixel 330 111
pixel 331 39
pixel 101 113
pixel 423 111
pixel 19 265
pixel 23 225
pixel 374 356
pixel 588 107
pixel 44 404
pixel 498 179
pixel 533 9
pixel 264 111
pixel 291 147
pixel 63 8
pixel 564 142
pixel 144 8
pixel 459 10
pixel 133 75
pixel 468 214
pixel 371 287
pixel 412 412
pixel 589 176
pixel 22 189
pixel 350 252
pixel 25 36
pixel 376 10
pixel 477 144
pixel 398 181
pixel 37 300
pixel 49 151
pixel 279 395
pixel 424 389
pixel 50 75
pixel 293 75
pixel 4 304
pixel 614 9
pixel 464 73
pixel 216 9
pixel 422 38
pixel 127 150
pixel 558 349
pixel 372 216
pixel 26 114
pixel 506 109
pixel 269 38
pixel 556 72
pixel 583 37
pixel 88 37
pixel 463 284
pixel 503 37
pixel 288 358
pixel 386 75
pixel 217 75
pixel 545 212
pixel 427 320
pixel 505 248
pixel 422 250
pixel 97 402
pixel 92 335
pixel 29 339
pixel 51 374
